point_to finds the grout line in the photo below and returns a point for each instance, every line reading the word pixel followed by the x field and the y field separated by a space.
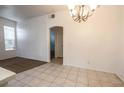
pixel 87 78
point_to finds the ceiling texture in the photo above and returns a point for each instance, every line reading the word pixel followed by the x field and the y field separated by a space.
pixel 21 12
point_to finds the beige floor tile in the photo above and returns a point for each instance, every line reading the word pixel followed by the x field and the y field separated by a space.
pixel 82 75
pixel 43 83
pixel 49 78
pixel 13 81
pixel 34 82
pixel 69 83
pixel 63 75
pixel 111 75
pixel 67 67
pixel 93 77
pixel 26 85
pixel 54 75
pixel 94 83
pixel 35 74
pixel 72 77
pixel 75 69
pixel 47 72
pixel 28 72
pixel 65 71
pixel 104 79
pixel 118 85
pixel 73 72
pixel 52 69
pixel 58 68
pixel 79 84
pixel 82 69
pixel 42 76
pixel 82 80
pixel 107 84
pixel 91 71
pixel 101 74
pixel 56 85
pixel 20 76
pixel 116 81
pixel 27 79
pixel 41 70
pixel 58 81
pixel 16 84
pixel 83 72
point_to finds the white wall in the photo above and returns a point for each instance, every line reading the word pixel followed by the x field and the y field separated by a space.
pixel 5 54
pixel 93 44
pixel 32 39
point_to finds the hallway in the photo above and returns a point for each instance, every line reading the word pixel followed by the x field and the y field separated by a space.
pixel 57 60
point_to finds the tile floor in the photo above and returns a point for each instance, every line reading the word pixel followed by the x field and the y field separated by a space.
pixel 54 75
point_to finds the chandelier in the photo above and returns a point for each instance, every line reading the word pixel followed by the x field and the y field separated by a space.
pixel 81 13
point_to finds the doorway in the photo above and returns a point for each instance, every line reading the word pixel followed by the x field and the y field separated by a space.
pixel 56 45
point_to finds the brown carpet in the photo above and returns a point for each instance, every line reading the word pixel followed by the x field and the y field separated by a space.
pixel 18 64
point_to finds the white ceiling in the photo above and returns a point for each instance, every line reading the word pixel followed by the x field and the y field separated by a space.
pixel 21 12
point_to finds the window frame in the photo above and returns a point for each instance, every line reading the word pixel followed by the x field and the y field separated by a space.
pixel 12 48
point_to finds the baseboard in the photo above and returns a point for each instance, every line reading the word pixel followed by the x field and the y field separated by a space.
pixel 121 77
pixel 59 57
pixel 90 68
pixel 7 58
pixel 32 58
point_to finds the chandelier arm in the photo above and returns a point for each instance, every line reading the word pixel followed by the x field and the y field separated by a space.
pixel 78 15
pixel 76 19
pixel 82 10
pixel 86 17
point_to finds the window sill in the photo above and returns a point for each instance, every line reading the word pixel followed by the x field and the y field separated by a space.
pixel 10 49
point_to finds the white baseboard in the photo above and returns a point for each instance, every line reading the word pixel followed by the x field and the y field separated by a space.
pixel 32 58
pixel 121 77
pixel 91 68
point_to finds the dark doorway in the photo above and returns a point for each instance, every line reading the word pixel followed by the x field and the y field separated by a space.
pixel 56 44
pixel 52 44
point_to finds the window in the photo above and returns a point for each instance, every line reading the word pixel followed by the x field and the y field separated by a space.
pixel 9 37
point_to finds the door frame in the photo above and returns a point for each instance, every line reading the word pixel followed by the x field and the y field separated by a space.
pixel 50 40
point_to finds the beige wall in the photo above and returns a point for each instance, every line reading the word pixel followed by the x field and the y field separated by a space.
pixel 91 44
pixel 120 62
pixel 122 40
pixel 5 54
pixel 60 43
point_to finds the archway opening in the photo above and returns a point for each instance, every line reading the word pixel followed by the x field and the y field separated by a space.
pixel 56 44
